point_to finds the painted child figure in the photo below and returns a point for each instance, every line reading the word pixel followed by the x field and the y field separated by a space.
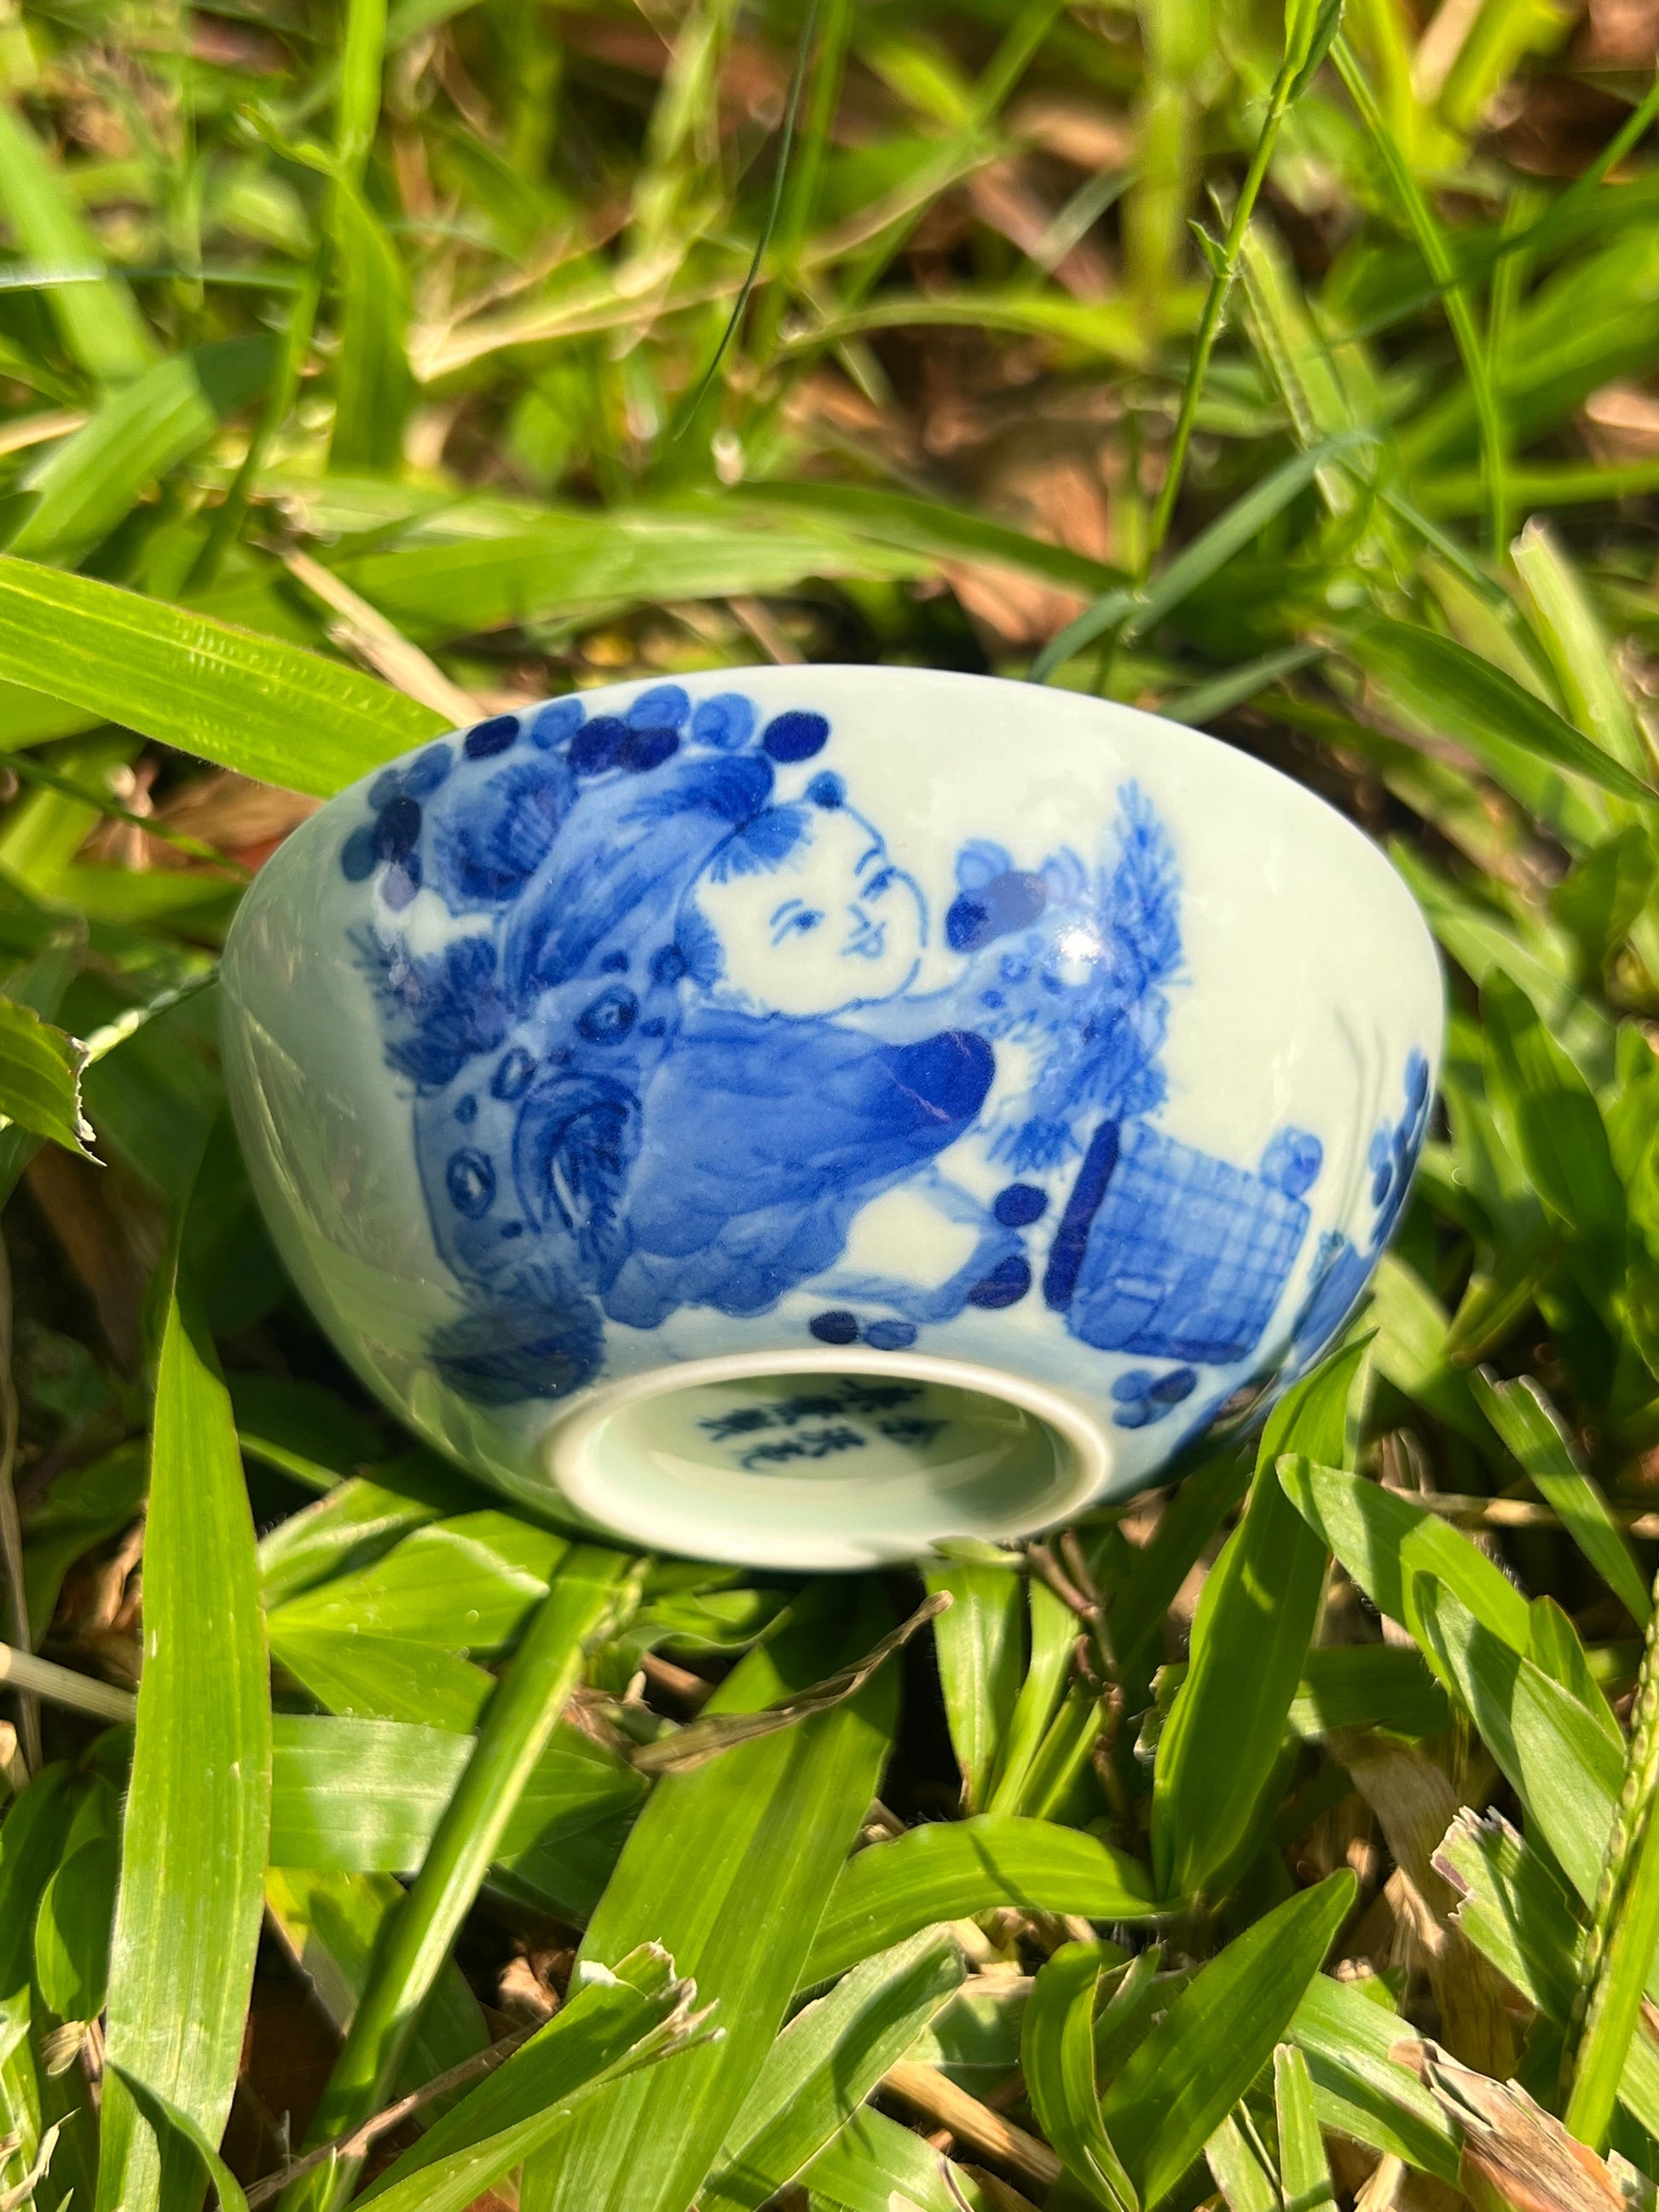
pixel 686 1098
pixel 787 1104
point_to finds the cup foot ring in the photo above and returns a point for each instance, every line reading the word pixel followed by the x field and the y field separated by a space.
pixel 824 1460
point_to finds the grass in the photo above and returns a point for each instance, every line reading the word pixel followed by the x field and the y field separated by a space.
pixel 1286 1838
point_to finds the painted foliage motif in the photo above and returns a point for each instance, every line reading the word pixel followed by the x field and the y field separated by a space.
pixel 679 1030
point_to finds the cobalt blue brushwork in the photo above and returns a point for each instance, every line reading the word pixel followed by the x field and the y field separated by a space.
pixel 1342 1269
pixel 674 1039
pixel 642 1083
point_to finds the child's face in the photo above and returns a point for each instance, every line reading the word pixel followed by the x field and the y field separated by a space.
pixel 834 925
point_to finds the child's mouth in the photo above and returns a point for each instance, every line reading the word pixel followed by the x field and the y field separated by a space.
pixel 870 942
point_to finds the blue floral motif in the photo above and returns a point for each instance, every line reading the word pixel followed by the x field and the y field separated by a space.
pixel 676 1023
pixel 1140 1398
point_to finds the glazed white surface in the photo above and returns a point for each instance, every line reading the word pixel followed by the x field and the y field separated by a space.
pixel 1305 983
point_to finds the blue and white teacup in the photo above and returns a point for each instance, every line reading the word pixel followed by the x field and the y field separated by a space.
pixel 797 1115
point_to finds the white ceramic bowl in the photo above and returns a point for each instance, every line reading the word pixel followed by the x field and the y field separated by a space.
pixel 802 1113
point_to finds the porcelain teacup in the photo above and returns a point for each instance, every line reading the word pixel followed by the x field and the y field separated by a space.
pixel 798 1115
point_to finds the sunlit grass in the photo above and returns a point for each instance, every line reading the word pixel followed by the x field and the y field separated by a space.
pixel 399 368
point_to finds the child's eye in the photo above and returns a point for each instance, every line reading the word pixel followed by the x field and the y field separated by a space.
pixel 881 881
pixel 800 921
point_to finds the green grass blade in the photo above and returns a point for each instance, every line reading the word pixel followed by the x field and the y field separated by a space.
pixel 1368 1685
pixel 366 1795
pixel 356 1518
pixel 1514 1909
pixel 1052 1643
pixel 1555 1645
pixel 1057 2057
pixel 581 1604
pixel 1480 707
pixel 21 2126
pixel 1231 532
pixel 1531 1430
pixel 228 517
pixel 1185 2076
pixel 100 326
pixel 1483 943
pixel 331 1924
pixel 91 1505
pixel 1385 1542
pixel 357 100
pixel 32 1842
pixel 189 2161
pixel 1137 612
pixel 1220 694
pixel 269 709
pixel 927 527
pixel 766 1827
pixel 1255 1622
pixel 1616 2005
pixel 40 1077
pixel 1195 1513
pixel 92 480
pixel 373 385
pixel 1108 613
pixel 1359 2089
pixel 1549 1118
pixel 601 2027
pixel 1307 41
pixel 952 1869
pixel 576 565
pixel 829 2059
pixel 72 1930
pixel 1617 1959
pixel 1303 2169
pixel 687 412
pixel 1563 1768
pixel 979 1643
pixel 1604 895
pixel 1432 243
pixel 383 1678
pixel 1580 651
pixel 1294 353
pixel 197 1810
pixel 1238 2171
pixel 875 2165
pixel 801 179
pixel 1357 1685
pixel 488 1569
pixel 457 2182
